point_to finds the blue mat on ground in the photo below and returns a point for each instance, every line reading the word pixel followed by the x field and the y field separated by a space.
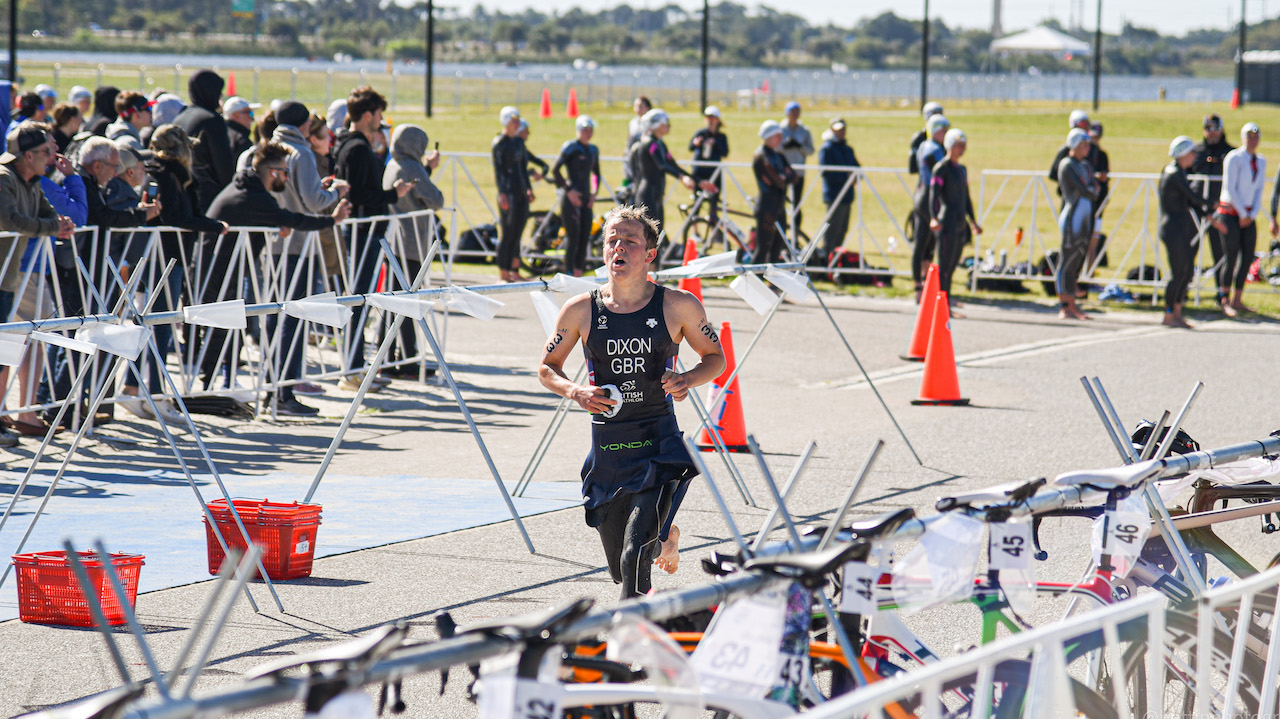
pixel 155 514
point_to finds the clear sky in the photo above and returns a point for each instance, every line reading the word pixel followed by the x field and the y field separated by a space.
pixel 1168 16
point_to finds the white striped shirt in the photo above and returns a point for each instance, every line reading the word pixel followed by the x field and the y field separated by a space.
pixel 1241 186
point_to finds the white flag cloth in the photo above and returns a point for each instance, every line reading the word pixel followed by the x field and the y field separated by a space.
pixel 602 271
pixel 757 294
pixel 124 340
pixel 228 315
pixel 461 299
pixel 321 309
pixel 547 310
pixel 793 283
pixel 572 285
pixel 12 348
pixel 412 306
pixel 709 264
pixel 73 344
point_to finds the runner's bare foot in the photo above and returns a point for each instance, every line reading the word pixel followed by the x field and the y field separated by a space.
pixel 669 552
pixel 1178 322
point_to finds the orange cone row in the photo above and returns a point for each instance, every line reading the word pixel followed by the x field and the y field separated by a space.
pixel 940 383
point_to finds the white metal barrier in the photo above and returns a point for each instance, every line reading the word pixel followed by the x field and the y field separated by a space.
pixel 1242 599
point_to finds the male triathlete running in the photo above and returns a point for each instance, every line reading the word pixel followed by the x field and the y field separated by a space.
pixel 631 329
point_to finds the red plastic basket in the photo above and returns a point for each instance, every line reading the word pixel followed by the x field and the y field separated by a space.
pixel 48 592
pixel 285 532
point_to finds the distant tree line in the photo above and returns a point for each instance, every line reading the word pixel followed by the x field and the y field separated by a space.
pixel 670 35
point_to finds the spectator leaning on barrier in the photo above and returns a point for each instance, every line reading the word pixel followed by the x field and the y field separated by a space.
pixel 238 113
pixel 1210 155
pixel 250 200
pixel 836 152
pixel 133 113
pixel 355 162
pixel 928 155
pixel 913 163
pixel 773 174
pixel 320 140
pixel 1244 172
pixel 951 209
pixel 797 146
pixel 104 110
pixel 412 163
pixel 212 164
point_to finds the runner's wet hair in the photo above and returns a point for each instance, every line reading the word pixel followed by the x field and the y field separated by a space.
pixel 630 213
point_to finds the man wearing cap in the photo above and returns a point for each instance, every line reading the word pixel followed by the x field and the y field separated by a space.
pixel 47 94
pixel 710 145
pixel 514 192
pixel 913 162
pixel 928 155
pixel 797 146
pixel 951 208
pixel 23 206
pixel 133 113
pixel 773 175
pixel 1244 172
pixel 1178 226
pixel 580 160
pixel 1079 198
pixel 81 97
pixel 837 187
pixel 1210 155
pixel 238 114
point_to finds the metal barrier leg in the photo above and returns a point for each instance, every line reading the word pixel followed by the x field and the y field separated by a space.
pixel 553 428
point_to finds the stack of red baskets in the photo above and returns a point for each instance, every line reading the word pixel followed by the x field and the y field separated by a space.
pixel 286 532
pixel 49 594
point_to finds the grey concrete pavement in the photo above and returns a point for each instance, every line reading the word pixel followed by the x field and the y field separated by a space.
pixel 1019 365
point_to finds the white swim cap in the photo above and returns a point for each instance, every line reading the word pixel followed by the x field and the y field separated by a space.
pixel 653 118
pixel 1077 117
pixel 1250 128
pixel 1180 146
pixel 953 136
pixel 584 122
pixel 931 109
pixel 769 128
pixel 507 114
pixel 1076 136
pixel 935 123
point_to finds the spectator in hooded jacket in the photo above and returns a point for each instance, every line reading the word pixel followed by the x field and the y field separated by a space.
pixel 104 110
pixel 836 152
pixel 212 163
pixel 238 112
pixel 412 163
pixel 133 114
pixel 251 200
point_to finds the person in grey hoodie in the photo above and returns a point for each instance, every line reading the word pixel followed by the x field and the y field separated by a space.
pixel 797 146
pixel 410 161
pixel 133 113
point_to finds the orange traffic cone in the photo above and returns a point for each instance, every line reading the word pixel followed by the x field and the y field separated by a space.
pixel 691 284
pixel 231 83
pixel 728 419
pixel 571 107
pixel 1235 99
pixel 940 383
pixel 544 111
pixel 924 318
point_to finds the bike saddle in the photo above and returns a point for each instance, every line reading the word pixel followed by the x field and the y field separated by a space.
pixel 808 568
pixel 533 626
pixel 361 650
pixel 881 524
pixel 1127 477
pixel 1008 493
pixel 107 705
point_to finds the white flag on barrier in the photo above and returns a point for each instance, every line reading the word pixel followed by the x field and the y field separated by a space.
pixel 461 299
pixel 228 315
pixel 547 310
pixel 710 263
pixel 794 284
pixel 408 305
pixel 124 340
pixel 757 294
pixel 12 348
pixel 570 284
pixel 321 309
pixel 71 343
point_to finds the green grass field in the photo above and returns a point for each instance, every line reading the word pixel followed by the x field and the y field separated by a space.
pixel 1014 137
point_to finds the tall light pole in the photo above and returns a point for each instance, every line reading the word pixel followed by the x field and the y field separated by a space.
pixel 706 24
pixel 431 52
pixel 924 57
pixel 1238 99
pixel 13 40
pixel 1097 56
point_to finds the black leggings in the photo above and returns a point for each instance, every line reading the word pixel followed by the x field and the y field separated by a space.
pixel 951 244
pixel 577 231
pixel 1181 261
pixel 768 239
pixel 629 533
pixel 1215 250
pixel 923 243
pixel 1238 244
pixel 797 196
pixel 513 220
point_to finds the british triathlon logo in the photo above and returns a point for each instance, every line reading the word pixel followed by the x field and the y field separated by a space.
pixel 651 322
pixel 638 444
pixel 602 323
pixel 628 386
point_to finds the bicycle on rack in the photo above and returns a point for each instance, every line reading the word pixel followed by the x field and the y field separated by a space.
pixel 723 236
pixel 542 252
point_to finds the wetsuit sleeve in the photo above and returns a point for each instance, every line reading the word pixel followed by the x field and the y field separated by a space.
pixel 1179 184
pixel 663 159
pixel 1072 180
pixel 534 159
pixel 937 192
pixel 595 169
pixel 968 203
pixel 1057 160
pixel 1275 194
pixel 555 170
pixel 769 173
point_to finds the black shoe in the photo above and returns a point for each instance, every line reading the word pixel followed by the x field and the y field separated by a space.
pixel 293 408
pixel 7 438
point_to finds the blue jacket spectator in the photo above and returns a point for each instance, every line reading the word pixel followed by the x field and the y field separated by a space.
pixel 836 152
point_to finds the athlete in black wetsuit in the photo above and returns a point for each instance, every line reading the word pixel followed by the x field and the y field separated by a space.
pixel 581 160
pixel 651 162
pixel 1178 226
pixel 1210 155
pixel 638 468
pixel 773 176
pixel 951 208
pixel 913 163
pixel 514 192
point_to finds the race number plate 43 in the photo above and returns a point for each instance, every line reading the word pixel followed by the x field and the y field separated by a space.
pixel 740 652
